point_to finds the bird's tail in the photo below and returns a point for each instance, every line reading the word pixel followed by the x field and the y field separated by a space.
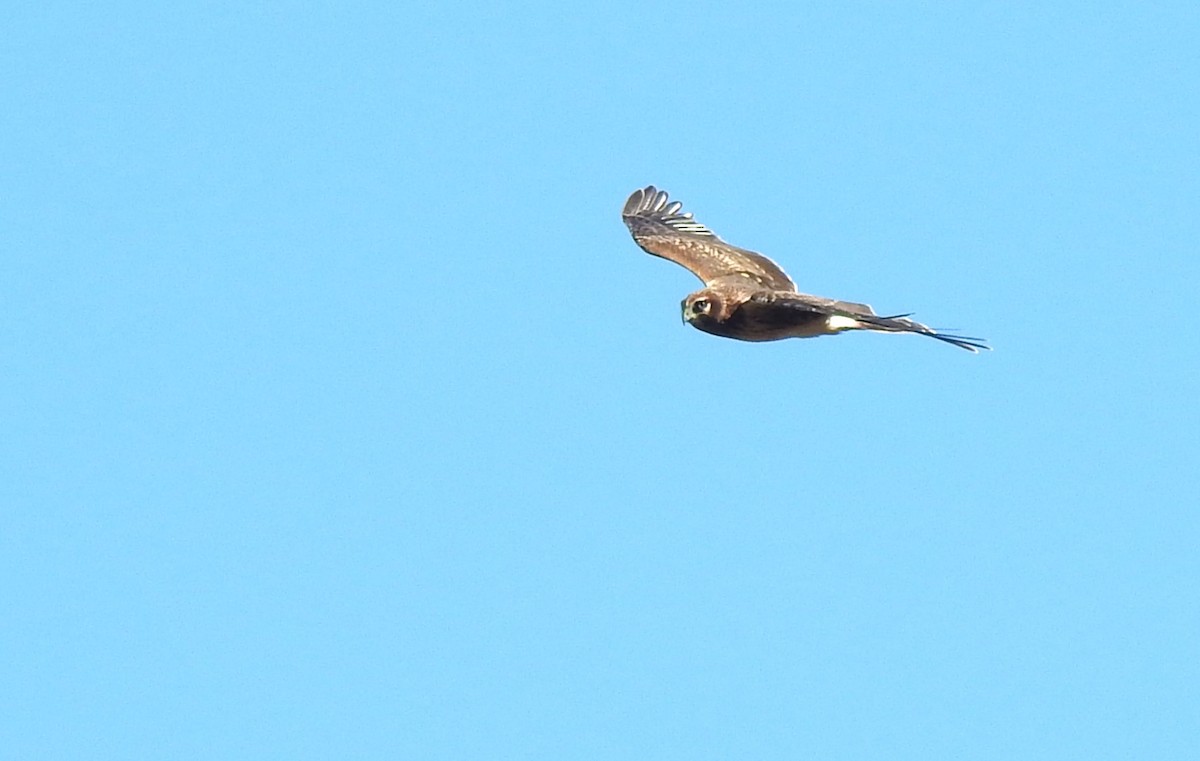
pixel 901 324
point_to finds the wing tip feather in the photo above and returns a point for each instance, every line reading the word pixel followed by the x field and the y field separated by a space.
pixel 651 203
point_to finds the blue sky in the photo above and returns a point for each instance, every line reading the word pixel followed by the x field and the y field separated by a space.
pixel 342 418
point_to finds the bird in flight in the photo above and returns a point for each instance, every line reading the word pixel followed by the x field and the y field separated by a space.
pixel 746 295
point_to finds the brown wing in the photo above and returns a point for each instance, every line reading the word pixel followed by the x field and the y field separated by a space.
pixel 804 304
pixel 660 229
pixel 831 306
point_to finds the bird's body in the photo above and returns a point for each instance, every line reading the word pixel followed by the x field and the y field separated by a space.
pixel 739 315
pixel 746 296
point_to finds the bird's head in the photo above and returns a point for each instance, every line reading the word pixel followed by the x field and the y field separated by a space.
pixel 702 305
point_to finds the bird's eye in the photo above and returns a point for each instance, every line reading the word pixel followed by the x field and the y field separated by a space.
pixel 699 306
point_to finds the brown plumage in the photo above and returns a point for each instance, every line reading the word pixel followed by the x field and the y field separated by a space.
pixel 746 295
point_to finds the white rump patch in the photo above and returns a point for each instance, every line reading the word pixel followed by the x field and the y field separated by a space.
pixel 838 322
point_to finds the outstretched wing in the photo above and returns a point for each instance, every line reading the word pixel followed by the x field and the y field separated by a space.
pixel 803 302
pixel 863 315
pixel 660 229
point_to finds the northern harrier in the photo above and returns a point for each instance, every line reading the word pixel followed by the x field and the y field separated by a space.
pixel 746 295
